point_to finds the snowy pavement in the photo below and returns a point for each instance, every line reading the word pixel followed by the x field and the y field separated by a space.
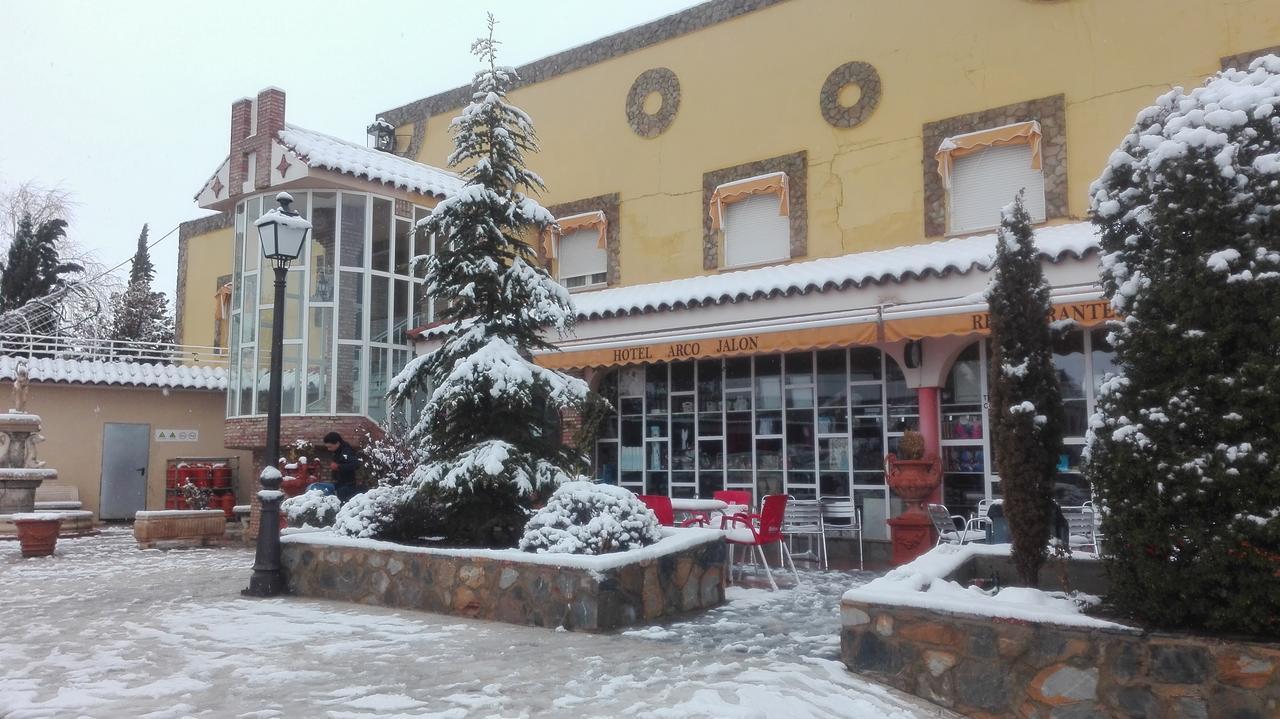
pixel 105 630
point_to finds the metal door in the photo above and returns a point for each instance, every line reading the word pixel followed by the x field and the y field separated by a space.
pixel 125 449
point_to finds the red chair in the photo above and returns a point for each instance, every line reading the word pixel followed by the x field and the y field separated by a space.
pixel 734 496
pixel 661 506
pixel 758 530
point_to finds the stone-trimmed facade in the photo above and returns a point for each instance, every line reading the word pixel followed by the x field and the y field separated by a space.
pixel 610 204
pixel 858 73
pixel 515 592
pixel 187 230
pixel 999 667
pixel 664 82
pixel 1241 61
pixel 606 48
pixel 1051 112
pixel 796 165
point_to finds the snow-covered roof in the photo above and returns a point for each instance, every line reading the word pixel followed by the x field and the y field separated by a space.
pixel 327 152
pixel 140 374
pixel 832 273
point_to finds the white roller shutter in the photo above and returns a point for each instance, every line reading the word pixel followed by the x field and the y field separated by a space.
pixel 755 233
pixel 582 261
pixel 984 182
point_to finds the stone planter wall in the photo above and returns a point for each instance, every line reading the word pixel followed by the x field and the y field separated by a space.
pixel 992 667
pixel 175 526
pixel 500 589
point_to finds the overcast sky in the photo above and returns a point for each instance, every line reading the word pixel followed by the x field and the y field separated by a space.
pixel 127 104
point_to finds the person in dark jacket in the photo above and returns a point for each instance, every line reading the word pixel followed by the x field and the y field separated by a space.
pixel 344 465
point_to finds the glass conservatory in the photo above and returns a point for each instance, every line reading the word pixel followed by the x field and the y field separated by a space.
pixel 349 302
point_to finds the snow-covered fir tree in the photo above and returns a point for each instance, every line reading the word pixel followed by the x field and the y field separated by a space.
pixel 1185 448
pixel 140 317
pixel 33 269
pixel 488 424
pixel 1026 406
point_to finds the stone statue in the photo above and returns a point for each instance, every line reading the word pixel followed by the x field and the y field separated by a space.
pixel 21 379
pixel 32 440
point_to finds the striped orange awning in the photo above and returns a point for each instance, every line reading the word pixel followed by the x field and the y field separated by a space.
pixel 731 192
pixel 1019 133
pixel 867 332
pixel 583 221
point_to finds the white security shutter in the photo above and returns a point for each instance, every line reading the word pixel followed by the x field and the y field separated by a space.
pixel 984 182
pixel 582 261
pixel 754 232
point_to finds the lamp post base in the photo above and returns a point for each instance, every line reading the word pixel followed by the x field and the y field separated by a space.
pixel 264 583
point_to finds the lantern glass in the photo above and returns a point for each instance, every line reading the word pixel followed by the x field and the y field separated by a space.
pixel 282 232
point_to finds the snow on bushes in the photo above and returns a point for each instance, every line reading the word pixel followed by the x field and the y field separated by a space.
pixel 372 514
pixel 311 508
pixel 586 518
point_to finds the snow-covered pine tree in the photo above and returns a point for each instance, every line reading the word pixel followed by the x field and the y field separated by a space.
pixel 1026 406
pixel 140 318
pixel 33 268
pixel 1184 451
pixel 488 426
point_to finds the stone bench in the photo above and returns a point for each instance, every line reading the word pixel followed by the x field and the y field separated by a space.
pixel 65 500
pixel 179 527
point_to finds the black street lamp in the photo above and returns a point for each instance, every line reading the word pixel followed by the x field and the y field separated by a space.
pixel 283 234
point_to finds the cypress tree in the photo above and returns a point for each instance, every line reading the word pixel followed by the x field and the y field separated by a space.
pixel 139 315
pixel 1026 407
pixel 142 271
pixel 33 268
pixel 487 427
pixel 1185 448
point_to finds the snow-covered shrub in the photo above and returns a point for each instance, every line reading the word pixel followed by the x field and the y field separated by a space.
pixel 313 508
pixel 585 518
pixel 1184 451
pixel 372 514
pixel 389 457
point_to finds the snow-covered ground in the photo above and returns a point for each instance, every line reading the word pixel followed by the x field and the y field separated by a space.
pixel 106 630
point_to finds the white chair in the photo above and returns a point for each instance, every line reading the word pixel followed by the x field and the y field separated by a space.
pixel 1081 527
pixel 955 529
pixel 842 517
pixel 803 517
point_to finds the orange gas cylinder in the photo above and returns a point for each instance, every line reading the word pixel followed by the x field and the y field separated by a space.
pixel 228 504
pixel 221 475
pixel 171 477
pixel 184 473
pixel 200 475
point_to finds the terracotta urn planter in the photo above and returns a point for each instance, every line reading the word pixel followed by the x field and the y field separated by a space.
pixel 37 532
pixel 913 479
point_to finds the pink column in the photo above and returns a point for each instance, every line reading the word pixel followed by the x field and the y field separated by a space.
pixel 929 425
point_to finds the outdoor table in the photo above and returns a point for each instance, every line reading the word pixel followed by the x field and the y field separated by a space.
pixel 700 508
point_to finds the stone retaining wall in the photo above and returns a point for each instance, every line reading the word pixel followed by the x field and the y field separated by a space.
pixel 510 591
pixel 993 667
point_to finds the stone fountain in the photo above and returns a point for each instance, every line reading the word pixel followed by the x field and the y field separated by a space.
pixel 20 471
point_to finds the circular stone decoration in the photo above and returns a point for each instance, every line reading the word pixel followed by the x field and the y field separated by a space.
pixel 667 85
pixel 857 73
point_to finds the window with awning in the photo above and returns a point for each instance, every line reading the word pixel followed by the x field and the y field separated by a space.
pixel 580 248
pixel 753 214
pixel 983 171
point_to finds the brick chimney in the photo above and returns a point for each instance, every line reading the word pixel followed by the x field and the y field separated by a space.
pixel 253 125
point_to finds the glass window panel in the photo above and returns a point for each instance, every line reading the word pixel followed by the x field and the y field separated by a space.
pixel 267 287
pixel 404 246
pixel 237 263
pixel 656 455
pixel 834 485
pixel 379 309
pixel 737 436
pixel 710 424
pixel 252 246
pixel 319 360
pixel 737 374
pixel 656 483
pixel 656 428
pixel 769 423
pixel 874 505
pixel 769 382
pixel 421 304
pixel 250 306
pixel 964 381
pixel 864 364
pixel 709 483
pixel 683 456
pixel 607 462
pixel 800 368
pixel 903 401
pixel 1068 362
pixel 323 225
pixel 655 388
pixel 710 382
pixel 293 305
pixel 247 372
pixel 379 365
pixel 380 243
pixel 832 385
pixel 291 379
pixel 352 238
pixel 682 376
pixel 868 443
pixel 264 361
pixel 350 375
pixel 351 298
pixel 833 454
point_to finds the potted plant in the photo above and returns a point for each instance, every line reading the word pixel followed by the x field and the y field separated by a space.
pixel 911 475
pixel 37 532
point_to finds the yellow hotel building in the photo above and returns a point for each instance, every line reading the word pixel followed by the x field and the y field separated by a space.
pixel 776 216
